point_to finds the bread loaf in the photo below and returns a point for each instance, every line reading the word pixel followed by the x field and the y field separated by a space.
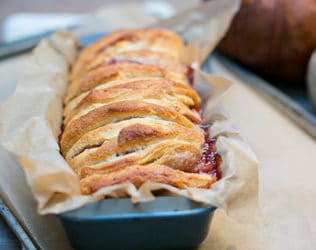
pixel 131 115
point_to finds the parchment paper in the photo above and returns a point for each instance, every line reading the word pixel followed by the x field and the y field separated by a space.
pixel 30 122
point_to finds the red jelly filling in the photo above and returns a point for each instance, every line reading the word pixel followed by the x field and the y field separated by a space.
pixel 190 75
pixel 210 160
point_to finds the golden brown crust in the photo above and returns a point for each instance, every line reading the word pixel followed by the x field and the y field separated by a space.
pixel 131 115
pixel 179 96
pixel 161 60
pixel 116 112
pixel 140 174
pixel 141 144
pixel 156 39
pixel 122 71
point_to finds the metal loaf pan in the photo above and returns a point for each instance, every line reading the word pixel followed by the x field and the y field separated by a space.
pixel 164 223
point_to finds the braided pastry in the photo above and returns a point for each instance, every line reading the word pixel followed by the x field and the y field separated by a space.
pixel 131 115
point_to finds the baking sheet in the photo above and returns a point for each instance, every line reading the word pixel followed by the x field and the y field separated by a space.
pixel 284 151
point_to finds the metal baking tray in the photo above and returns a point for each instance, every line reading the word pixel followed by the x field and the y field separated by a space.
pixel 166 222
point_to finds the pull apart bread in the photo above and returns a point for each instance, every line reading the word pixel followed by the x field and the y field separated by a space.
pixel 131 115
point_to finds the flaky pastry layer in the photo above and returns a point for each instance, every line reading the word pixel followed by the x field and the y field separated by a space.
pixel 131 114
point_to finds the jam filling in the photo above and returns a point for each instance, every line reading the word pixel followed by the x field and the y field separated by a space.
pixel 116 61
pixel 210 160
pixel 190 75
